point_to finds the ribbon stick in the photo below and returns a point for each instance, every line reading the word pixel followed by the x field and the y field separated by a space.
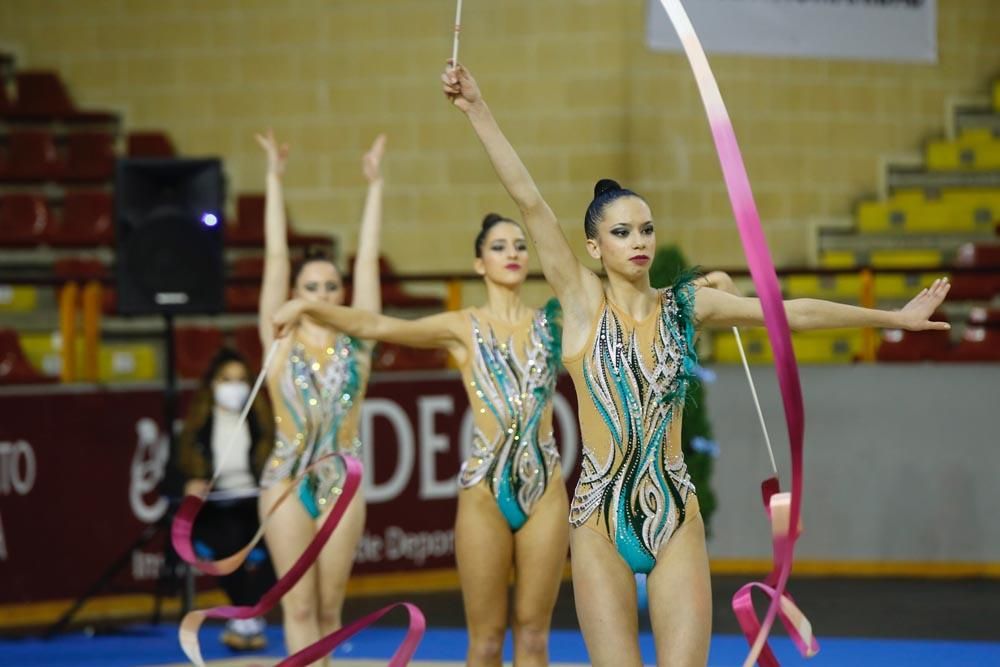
pixel 181 537
pixel 756 401
pixel 458 29
pixel 766 282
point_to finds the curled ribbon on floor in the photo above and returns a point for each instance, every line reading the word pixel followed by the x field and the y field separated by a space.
pixel 783 509
pixel 181 536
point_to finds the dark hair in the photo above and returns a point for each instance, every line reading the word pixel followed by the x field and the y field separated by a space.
pixel 605 192
pixel 314 253
pixel 489 222
pixel 224 356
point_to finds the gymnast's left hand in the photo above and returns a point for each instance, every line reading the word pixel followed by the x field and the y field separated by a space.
pixel 915 316
pixel 287 317
pixel 372 160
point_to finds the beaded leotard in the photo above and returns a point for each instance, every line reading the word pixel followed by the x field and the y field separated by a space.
pixel 631 380
pixel 317 399
pixel 510 377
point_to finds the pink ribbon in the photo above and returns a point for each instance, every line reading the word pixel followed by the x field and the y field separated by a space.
pixel 181 533
pixel 765 280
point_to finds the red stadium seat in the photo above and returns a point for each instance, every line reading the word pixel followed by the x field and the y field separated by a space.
pixel 86 221
pixel 247 340
pixel 195 348
pixel 981 286
pixel 974 286
pixel 393 294
pixel 41 96
pixel 248 230
pixel 979 254
pixel 74 268
pixel 984 317
pixel 90 157
pixel 244 296
pixel 24 220
pixel 248 267
pixel 149 144
pixel 978 344
pixel 14 365
pixel 32 157
pixel 898 345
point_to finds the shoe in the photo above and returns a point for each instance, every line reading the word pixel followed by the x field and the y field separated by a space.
pixel 245 634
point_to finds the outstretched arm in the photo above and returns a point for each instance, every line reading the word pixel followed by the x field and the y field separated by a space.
pixel 573 283
pixel 367 292
pixel 274 288
pixel 715 308
pixel 443 330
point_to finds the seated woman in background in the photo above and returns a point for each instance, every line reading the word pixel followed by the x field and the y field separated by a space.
pixel 226 525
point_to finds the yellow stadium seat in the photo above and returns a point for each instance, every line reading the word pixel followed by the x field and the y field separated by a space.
pixel 811 347
pixel 976 136
pixel 42 350
pixel 127 362
pixel 905 258
pixel 837 259
pixel 18 298
pixel 900 286
pixel 972 152
pixel 844 287
pixel 117 362
pixel 911 212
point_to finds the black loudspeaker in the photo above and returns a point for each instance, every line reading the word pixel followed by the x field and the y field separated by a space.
pixel 169 222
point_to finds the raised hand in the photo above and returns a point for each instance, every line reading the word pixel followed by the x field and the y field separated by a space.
pixel 916 314
pixel 372 160
pixel 459 87
pixel 277 154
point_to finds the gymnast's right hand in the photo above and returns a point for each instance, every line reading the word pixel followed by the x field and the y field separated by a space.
pixel 460 88
pixel 277 154
pixel 286 317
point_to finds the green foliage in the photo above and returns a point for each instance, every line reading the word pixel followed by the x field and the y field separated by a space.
pixel 668 265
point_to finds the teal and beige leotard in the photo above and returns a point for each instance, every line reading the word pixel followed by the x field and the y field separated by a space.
pixel 630 380
pixel 316 395
pixel 510 375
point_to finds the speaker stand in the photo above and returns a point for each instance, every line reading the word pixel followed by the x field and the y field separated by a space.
pixel 169 572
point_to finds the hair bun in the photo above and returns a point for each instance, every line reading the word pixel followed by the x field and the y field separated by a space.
pixel 491 219
pixel 316 252
pixel 605 185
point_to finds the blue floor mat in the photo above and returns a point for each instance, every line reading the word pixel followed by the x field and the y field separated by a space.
pixel 156 645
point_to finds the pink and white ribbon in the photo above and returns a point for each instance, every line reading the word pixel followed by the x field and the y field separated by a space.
pixel 784 510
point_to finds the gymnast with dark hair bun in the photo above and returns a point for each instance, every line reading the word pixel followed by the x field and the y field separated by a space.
pixel 630 350
pixel 512 501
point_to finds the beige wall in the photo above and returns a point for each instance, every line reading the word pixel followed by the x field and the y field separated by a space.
pixel 571 81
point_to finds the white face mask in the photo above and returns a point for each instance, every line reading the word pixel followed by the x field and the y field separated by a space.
pixel 231 395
